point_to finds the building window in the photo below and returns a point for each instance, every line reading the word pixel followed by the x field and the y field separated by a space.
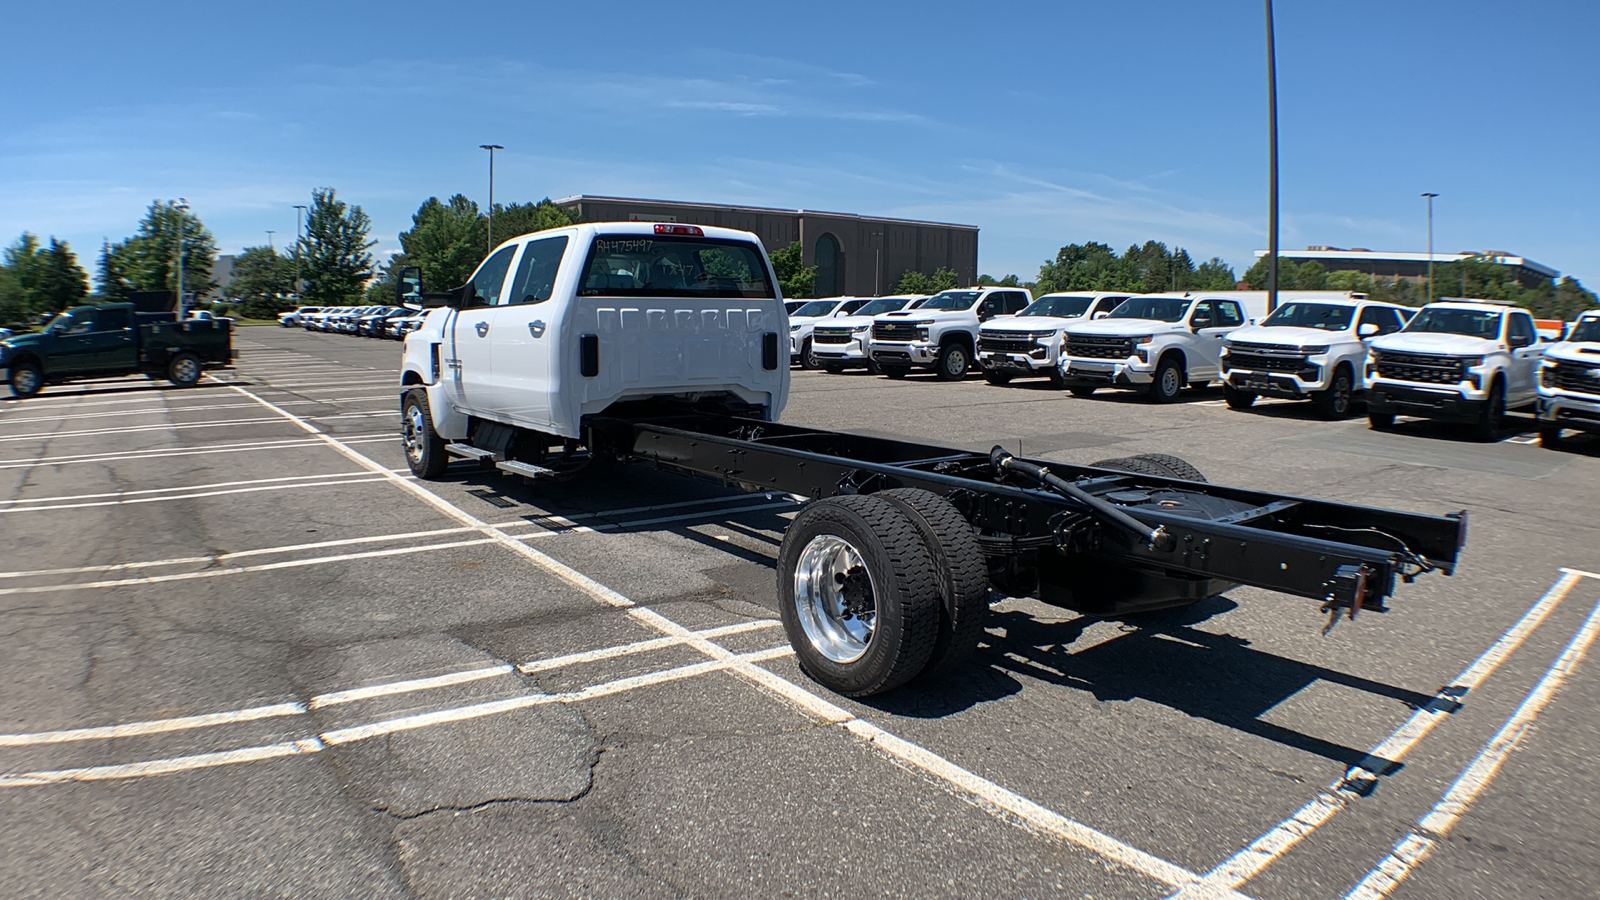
pixel 830 266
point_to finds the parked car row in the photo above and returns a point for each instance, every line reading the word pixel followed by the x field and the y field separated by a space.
pixel 393 322
pixel 1454 360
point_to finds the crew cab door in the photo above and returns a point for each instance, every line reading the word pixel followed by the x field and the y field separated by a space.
pixel 1211 321
pixel 112 345
pixel 471 333
pixel 526 329
pixel 1523 341
pixel 70 349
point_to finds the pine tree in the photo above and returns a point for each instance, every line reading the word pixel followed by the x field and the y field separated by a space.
pixel 335 250
pixel 62 282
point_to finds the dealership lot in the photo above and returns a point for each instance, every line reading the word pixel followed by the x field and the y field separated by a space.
pixel 247 653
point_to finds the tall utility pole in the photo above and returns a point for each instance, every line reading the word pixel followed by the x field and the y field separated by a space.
pixel 1272 166
pixel 270 233
pixel 1430 197
pixel 298 217
pixel 180 208
pixel 491 148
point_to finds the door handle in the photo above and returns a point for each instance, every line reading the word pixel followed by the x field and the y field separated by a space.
pixel 483 329
pixel 536 328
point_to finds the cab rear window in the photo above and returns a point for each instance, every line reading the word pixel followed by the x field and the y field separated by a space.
pixel 646 265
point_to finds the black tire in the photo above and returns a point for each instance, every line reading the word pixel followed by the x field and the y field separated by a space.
pixel 957 556
pixel 998 379
pixel 1380 421
pixel 955 360
pixel 1135 465
pixel 423 447
pixel 1168 381
pixel 27 379
pixel 1180 468
pixel 1335 402
pixel 1493 416
pixel 808 359
pixel 1237 399
pixel 1059 381
pixel 904 591
pixel 896 371
pixel 184 370
pixel 1082 392
pixel 832 368
pixel 1549 436
pixel 873 368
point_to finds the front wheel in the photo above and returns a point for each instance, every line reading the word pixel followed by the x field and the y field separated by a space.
pixel 997 378
pixel 808 358
pixel 1168 382
pixel 833 368
pixel 1237 399
pixel 27 379
pixel 1334 403
pixel 1549 436
pixel 953 362
pixel 184 370
pixel 1082 391
pixel 1493 417
pixel 858 595
pixel 895 371
pixel 424 448
pixel 1380 421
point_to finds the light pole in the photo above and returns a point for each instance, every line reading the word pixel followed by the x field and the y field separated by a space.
pixel 1430 197
pixel 270 233
pixel 180 208
pixel 298 216
pixel 1272 166
pixel 491 148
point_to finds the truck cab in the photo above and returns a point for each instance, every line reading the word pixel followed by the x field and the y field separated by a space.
pixel 806 317
pixel 1569 382
pixel 1456 361
pixel 558 326
pixel 841 342
pixel 1154 343
pixel 1307 349
pixel 942 333
pixel 1029 343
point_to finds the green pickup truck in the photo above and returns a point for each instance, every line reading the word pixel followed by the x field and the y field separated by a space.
pixel 114 339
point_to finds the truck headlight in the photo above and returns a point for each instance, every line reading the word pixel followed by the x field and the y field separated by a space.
pixel 1471 362
pixel 861 329
pixel 1225 350
pixel 922 334
pixel 794 327
pixel 1547 372
pixel 1315 350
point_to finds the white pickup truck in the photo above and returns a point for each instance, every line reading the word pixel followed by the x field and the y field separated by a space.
pixel 1030 342
pixel 561 325
pixel 1313 349
pixel 1569 382
pixel 1155 343
pixel 942 333
pixel 804 319
pixel 841 342
pixel 1456 361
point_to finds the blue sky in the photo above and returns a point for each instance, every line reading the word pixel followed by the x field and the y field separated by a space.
pixel 1042 123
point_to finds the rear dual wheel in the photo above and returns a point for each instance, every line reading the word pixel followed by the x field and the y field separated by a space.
pixel 1161 465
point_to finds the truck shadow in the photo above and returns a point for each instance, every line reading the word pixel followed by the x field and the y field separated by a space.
pixel 142 387
pixel 1161 659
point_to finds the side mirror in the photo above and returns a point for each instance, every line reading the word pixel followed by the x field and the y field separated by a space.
pixel 1101 314
pixel 1199 322
pixel 1368 329
pixel 408 287
pixel 1519 342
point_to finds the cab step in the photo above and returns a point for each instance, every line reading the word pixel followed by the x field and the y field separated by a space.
pixel 527 470
pixel 469 452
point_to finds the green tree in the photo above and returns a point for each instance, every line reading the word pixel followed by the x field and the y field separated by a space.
pixel 796 280
pixel 1568 299
pixel 1214 275
pixel 14 311
pixel 335 251
pixel 1082 267
pixel 148 260
pixel 1007 281
pixel 446 241
pixel 526 218
pixel 914 282
pixel 263 279
pixel 61 281
pixel 24 260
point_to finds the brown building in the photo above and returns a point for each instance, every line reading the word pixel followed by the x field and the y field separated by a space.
pixel 863 256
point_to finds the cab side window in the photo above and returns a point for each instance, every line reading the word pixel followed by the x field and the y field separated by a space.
pixel 491 276
pixel 1015 302
pixel 849 307
pixel 1521 332
pixel 990 306
pixel 1228 314
pixel 113 319
pixel 1202 315
pixel 536 274
pixel 1387 319
pixel 79 323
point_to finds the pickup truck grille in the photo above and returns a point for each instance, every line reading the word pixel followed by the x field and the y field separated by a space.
pixel 830 336
pixel 1005 343
pixel 1247 346
pixel 1086 347
pixel 894 331
pixel 1261 362
pixel 1571 376
pixel 1419 367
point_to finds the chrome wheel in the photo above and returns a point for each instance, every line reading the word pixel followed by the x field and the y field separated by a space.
pixel 187 370
pixel 413 428
pixel 835 598
pixel 25 381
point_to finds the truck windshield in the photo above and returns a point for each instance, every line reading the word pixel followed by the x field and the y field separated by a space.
pixel 1162 309
pixel 816 308
pixel 950 300
pixel 883 305
pixel 1325 316
pixel 1444 320
pixel 654 265
pixel 1058 307
pixel 1586 330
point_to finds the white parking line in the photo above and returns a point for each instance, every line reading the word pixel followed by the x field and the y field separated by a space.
pixel 1433 827
pixel 341 481
pixel 1006 805
pixel 163 452
pixel 1267 849
pixel 135 429
pixel 180 409
pixel 190 487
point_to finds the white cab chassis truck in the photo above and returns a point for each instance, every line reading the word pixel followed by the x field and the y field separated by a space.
pixel 1030 342
pixel 661 344
pixel 942 333
pixel 1569 382
pixel 1307 349
pixel 1456 361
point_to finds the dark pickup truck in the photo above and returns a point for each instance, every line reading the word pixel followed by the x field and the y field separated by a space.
pixel 114 339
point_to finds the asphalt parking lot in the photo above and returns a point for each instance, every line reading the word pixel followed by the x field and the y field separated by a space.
pixel 247 655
